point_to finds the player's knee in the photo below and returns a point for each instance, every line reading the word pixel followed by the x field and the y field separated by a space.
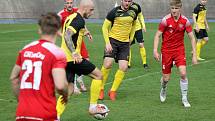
pixel 141 45
pixel 99 76
pixel 183 75
pixel 166 78
pixel 107 65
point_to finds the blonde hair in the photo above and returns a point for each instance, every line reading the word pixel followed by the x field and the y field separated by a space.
pixel 177 3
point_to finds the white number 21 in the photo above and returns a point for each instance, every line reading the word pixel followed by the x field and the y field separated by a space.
pixel 29 66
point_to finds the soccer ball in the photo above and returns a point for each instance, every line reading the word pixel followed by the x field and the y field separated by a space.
pixel 101 116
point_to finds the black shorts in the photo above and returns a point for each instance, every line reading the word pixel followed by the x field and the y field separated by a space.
pixel 85 68
pixel 120 50
pixel 138 36
pixel 202 34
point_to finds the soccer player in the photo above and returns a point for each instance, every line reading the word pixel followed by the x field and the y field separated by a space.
pixel 68 10
pixel 140 26
pixel 73 33
pixel 172 29
pixel 118 29
pixel 200 26
pixel 39 70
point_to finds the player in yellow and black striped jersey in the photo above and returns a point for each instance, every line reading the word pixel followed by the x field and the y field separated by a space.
pixel 200 26
pixel 118 29
pixel 72 36
pixel 140 27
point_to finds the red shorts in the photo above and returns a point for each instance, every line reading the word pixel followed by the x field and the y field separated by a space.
pixel 36 120
pixel 84 52
pixel 168 57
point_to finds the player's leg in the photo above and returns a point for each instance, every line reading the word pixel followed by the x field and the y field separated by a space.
pixel 139 38
pixel 122 58
pixel 129 60
pixel 76 89
pixel 70 75
pixel 107 64
pixel 181 64
pixel 164 81
pixel 123 65
pixel 184 86
pixel 106 67
pixel 199 36
pixel 167 62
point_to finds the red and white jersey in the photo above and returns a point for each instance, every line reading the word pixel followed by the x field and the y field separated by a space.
pixel 64 14
pixel 37 90
pixel 173 32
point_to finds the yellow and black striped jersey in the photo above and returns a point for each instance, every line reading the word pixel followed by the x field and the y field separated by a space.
pixel 76 23
pixel 121 22
pixel 200 13
pixel 140 24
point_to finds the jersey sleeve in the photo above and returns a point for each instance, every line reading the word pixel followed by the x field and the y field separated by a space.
pixel 162 25
pixel 111 15
pixel 196 10
pixel 76 24
pixel 188 26
pixel 60 60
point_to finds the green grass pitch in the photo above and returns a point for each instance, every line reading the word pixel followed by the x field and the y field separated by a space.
pixel 138 96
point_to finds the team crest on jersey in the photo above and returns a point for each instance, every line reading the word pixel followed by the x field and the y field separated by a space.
pixel 181 26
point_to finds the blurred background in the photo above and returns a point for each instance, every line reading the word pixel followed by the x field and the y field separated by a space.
pixel 29 10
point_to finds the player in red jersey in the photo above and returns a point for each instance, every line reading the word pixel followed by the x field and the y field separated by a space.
pixel 172 29
pixel 68 10
pixel 39 70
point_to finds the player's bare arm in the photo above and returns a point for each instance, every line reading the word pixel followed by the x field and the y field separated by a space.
pixel 156 43
pixel 206 25
pixel 14 77
pixel 193 43
pixel 61 84
pixel 88 34
pixel 194 21
pixel 68 39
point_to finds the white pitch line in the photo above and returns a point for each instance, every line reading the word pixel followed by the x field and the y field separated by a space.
pixel 26 30
pixel 148 74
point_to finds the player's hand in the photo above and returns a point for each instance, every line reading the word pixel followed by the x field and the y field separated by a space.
pixel 64 99
pixel 156 56
pixel 144 29
pixel 77 57
pixel 207 28
pixel 90 37
pixel 197 28
pixel 108 48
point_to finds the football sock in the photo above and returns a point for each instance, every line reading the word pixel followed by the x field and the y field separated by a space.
pixel 198 48
pixel 118 79
pixel 184 87
pixel 105 73
pixel 143 55
pixel 95 91
pixel 203 42
pixel 129 60
pixel 60 106
pixel 163 83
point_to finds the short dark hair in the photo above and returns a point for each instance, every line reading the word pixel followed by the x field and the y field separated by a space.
pixel 177 3
pixel 49 23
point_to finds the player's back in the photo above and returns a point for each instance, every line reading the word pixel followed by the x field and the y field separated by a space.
pixel 37 90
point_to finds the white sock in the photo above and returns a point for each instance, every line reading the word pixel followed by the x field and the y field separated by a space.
pixel 80 79
pixel 184 87
pixel 163 83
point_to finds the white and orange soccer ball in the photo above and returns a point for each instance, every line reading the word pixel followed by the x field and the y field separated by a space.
pixel 101 116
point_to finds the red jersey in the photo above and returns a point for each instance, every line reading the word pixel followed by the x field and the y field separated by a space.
pixel 173 32
pixel 64 14
pixel 37 90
